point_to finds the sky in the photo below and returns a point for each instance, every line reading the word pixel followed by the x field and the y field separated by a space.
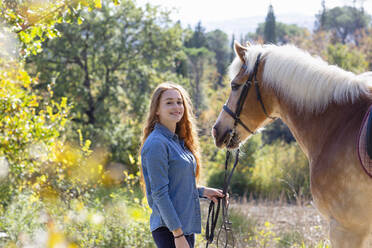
pixel 192 11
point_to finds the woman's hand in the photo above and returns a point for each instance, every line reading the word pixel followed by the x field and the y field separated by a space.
pixel 213 194
pixel 181 242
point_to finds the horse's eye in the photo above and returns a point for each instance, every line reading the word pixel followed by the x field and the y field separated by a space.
pixel 235 86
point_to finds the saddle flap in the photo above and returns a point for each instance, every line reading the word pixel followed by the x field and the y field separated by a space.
pixel 369 135
pixel 364 144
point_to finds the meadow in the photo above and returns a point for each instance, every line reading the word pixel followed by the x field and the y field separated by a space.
pixel 76 77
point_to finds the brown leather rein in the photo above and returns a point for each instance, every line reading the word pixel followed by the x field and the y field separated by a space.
pixel 226 224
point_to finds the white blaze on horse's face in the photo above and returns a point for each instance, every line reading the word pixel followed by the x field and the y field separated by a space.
pixel 251 115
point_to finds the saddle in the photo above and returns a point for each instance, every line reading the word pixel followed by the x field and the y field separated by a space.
pixel 364 144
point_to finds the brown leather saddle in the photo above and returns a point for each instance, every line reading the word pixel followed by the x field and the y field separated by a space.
pixel 364 144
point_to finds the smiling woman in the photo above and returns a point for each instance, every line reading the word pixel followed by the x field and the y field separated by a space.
pixel 170 166
pixel 170 109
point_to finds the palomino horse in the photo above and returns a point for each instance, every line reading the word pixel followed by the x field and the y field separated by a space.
pixel 323 106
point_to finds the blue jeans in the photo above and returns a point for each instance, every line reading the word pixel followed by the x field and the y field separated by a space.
pixel 164 238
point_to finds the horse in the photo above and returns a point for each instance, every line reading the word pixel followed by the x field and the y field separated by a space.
pixel 323 106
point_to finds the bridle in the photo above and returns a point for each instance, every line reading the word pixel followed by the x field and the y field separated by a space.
pixel 247 85
pixel 226 224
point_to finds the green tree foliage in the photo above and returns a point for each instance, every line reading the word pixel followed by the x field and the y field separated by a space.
pixel 30 125
pixel 181 64
pixel 271 171
pixel 107 66
pixel 198 38
pixel 365 45
pixel 281 168
pixel 44 180
pixel 240 182
pixel 198 61
pixel 285 33
pixel 321 18
pixel 28 130
pixel 33 152
pixel 232 52
pixel 346 58
pixel 33 21
pixel 344 22
pixel 270 28
pixel 277 131
pixel 217 42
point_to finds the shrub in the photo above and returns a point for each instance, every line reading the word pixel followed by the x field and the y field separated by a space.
pixel 281 167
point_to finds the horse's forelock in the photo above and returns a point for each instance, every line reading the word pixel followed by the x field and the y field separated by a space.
pixel 234 67
pixel 250 59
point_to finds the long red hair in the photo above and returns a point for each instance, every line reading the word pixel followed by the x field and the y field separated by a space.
pixel 185 129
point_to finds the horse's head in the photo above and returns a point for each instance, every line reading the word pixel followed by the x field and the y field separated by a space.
pixel 250 104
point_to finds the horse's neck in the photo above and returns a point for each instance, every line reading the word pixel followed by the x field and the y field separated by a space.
pixel 313 131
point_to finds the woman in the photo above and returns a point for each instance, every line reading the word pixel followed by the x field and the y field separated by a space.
pixel 170 164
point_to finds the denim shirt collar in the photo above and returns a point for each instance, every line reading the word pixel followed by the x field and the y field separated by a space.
pixel 165 131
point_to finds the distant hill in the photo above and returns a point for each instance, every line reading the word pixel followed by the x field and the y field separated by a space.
pixel 244 25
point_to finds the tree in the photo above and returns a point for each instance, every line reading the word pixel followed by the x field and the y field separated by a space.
pixel 344 22
pixel 346 58
pixel 198 59
pixel 107 66
pixel 198 38
pixel 34 21
pixel 269 29
pixel 365 45
pixel 277 131
pixel 321 18
pixel 232 52
pixel 284 32
pixel 218 43
pixel 30 126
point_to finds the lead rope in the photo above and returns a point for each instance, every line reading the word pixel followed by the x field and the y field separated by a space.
pixel 226 224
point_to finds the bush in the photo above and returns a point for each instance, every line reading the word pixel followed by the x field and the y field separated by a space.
pixel 273 170
pixel 281 167
pixel 81 223
pixel 28 131
pixel 239 185
pixel 22 220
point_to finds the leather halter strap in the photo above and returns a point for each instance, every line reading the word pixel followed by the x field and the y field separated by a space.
pixel 252 79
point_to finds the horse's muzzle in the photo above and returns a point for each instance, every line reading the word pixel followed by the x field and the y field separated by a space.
pixel 220 140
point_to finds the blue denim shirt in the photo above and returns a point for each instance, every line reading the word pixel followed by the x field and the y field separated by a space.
pixel 169 172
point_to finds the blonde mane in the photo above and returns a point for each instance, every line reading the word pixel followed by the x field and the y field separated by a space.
pixel 308 82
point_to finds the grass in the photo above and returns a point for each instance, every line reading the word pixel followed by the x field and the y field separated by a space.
pixel 274 225
pixel 119 221
pixel 31 222
pixel 290 238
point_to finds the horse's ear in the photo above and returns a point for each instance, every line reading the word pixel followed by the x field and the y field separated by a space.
pixel 239 50
pixel 248 44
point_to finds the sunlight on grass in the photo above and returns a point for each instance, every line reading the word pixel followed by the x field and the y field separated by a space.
pixel 4 167
pixel 8 43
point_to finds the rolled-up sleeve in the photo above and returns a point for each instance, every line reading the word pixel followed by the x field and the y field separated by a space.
pixel 156 163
